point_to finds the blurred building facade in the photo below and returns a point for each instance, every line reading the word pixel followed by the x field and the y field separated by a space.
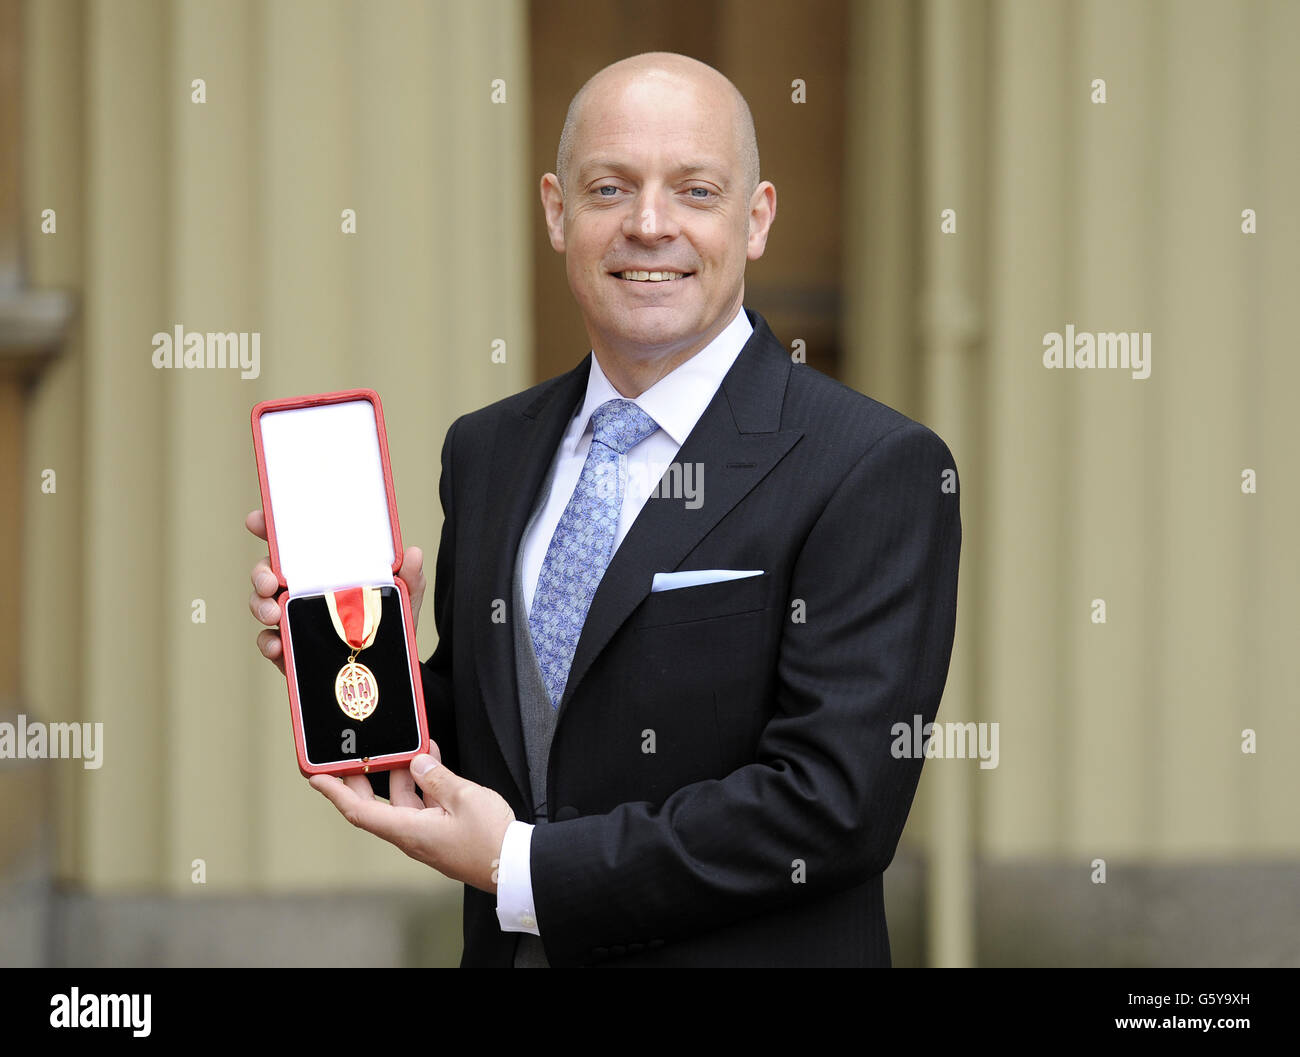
pixel 956 181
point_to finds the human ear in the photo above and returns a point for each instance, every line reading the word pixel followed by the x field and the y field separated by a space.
pixel 762 212
pixel 553 208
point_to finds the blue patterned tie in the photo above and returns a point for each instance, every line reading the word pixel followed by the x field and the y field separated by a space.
pixel 583 543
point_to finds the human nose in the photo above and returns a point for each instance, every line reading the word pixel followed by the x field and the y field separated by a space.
pixel 651 218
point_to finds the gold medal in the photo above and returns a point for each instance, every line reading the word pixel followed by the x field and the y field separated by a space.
pixel 356 690
pixel 355 613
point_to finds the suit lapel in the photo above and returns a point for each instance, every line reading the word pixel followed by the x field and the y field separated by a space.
pixel 525 444
pixel 737 442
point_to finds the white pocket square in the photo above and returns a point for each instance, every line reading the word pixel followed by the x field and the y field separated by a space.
pixel 694 577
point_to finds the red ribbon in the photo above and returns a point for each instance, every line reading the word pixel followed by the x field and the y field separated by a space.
pixel 351 606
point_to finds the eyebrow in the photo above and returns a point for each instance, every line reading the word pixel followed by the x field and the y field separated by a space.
pixel 686 169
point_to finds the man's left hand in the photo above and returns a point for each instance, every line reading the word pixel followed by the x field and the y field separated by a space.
pixel 457 829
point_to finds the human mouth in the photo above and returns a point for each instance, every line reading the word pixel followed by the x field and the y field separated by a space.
pixel 651 277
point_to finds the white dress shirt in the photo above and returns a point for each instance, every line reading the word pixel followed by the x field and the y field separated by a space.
pixel 676 403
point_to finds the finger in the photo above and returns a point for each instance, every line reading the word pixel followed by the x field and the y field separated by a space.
pixel 401 789
pixel 368 813
pixel 256 523
pixel 350 803
pixel 434 751
pixel 267 610
pixel 264 580
pixel 412 566
pixel 269 643
pixel 413 575
pixel 360 785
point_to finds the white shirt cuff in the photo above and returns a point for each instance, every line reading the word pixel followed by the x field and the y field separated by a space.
pixel 515 910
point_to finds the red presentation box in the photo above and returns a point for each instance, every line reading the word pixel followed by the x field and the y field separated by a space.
pixel 331 522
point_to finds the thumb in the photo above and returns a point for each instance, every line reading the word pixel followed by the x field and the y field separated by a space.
pixel 433 778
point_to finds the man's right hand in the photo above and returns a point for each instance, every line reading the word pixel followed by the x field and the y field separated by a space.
pixel 263 605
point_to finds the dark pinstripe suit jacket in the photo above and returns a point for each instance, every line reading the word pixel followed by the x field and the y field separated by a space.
pixel 757 830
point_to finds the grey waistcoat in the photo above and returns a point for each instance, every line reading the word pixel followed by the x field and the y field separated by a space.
pixel 537 716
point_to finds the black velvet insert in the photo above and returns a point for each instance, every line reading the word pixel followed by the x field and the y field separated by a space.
pixel 319 653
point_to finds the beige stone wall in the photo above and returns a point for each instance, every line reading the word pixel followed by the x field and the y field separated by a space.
pixel 226 216
pixel 1120 741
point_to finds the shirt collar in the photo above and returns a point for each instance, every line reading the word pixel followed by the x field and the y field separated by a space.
pixel 679 398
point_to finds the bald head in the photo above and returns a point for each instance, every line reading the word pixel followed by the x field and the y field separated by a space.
pixel 669 69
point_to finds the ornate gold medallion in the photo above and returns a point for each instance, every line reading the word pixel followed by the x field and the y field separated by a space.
pixel 356 690
pixel 355 613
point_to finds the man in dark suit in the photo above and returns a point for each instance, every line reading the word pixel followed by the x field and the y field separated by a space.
pixel 683 592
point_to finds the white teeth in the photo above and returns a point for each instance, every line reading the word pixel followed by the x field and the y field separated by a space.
pixel 651 277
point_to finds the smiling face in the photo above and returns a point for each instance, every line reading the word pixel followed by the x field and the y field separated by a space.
pixel 655 215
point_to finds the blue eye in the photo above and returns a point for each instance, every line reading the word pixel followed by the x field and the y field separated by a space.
pixel 706 192
pixel 608 187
